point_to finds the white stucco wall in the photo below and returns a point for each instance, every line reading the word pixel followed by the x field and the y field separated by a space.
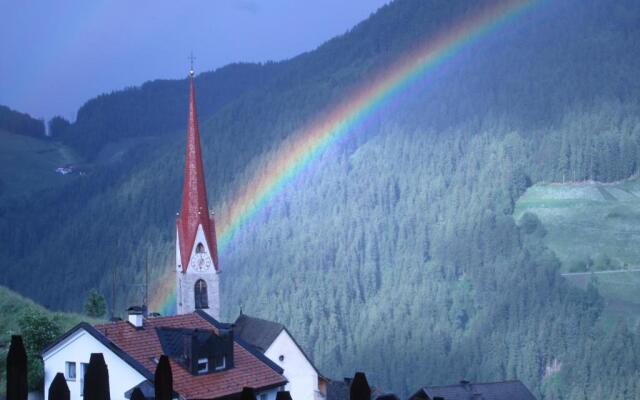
pixel 78 347
pixel 302 377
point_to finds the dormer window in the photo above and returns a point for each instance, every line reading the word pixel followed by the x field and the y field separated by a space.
pixel 203 365
pixel 199 351
pixel 199 248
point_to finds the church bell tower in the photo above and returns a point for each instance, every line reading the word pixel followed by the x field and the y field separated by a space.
pixel 197 281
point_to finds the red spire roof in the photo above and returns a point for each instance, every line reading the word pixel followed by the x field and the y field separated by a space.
pixel 194 210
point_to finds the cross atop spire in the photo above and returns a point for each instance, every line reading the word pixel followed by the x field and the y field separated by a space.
pixel 191 59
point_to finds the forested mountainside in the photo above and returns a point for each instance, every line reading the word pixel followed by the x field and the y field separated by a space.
pixel 155 108
pixel 20 123
pixel 396 253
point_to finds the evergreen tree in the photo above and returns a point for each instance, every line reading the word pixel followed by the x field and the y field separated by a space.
pixel 95 306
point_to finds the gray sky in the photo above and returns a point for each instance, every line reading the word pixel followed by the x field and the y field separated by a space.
pixel 58 54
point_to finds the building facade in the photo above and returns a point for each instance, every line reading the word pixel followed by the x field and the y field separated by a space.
pixel 276 343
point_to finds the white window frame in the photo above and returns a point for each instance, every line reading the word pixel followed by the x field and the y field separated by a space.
pixel 223 365
pixel 83 371
pixel 68 369
pixel 204 361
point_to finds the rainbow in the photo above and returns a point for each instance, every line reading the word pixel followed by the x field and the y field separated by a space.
pixel 334 125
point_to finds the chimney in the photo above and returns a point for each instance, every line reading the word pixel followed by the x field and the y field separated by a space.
pixel 135 316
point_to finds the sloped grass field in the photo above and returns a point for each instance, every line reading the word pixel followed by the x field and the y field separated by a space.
pixel 28 164
pixel 12 308
pixel 620 293
pixel 593 227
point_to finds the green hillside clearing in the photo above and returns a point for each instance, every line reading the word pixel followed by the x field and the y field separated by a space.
pixel 29 164
pixel 594 227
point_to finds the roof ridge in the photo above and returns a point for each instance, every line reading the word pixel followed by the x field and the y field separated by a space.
pixel 260 319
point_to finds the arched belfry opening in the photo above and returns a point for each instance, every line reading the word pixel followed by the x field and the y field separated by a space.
pixel 200 248
pixel 200 293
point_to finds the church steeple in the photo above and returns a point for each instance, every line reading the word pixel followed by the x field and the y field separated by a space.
pixel 196 248
pixel 194 210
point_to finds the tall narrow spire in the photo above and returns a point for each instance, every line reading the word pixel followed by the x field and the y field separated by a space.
pixel 194 211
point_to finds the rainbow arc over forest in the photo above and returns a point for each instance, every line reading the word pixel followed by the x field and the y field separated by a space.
pixel 335 124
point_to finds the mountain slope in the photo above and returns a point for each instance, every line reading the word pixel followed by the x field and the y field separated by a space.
pixel 29 164
pixel 396 252
pixel 20 123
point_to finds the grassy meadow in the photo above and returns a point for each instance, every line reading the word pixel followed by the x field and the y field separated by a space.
pixel 594 227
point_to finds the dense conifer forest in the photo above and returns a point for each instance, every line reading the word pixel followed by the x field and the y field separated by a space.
pixel 396 252
pixel 20 123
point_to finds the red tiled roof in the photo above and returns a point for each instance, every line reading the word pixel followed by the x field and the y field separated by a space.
pixel 194 210
pixel 143 345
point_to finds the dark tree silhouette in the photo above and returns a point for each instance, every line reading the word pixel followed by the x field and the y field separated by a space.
pixel 58 390
pixel 96 379
pixel 283 395
pixel 360 389
pixel 163 381
pixel 137 394
pixel 248 394
pixel 16 370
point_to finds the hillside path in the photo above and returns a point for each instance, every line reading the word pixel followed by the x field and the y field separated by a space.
pixel 610 271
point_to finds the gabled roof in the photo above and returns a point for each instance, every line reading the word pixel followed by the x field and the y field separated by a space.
pixel 194 210
pixel 140 348
pixel 105 341
pixel 257 331
pixel 261 333
pixel 506 390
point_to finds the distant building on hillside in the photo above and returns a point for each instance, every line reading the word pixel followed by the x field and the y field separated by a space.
pixel 465 390
pixel 64 170
pixel 275 341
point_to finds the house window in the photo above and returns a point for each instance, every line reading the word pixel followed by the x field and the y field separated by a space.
pixel 263 396
pixel 70 370
pixel 221 362
pixel 203 366
pixel 200 293
pixel 83 370
pixel 200 248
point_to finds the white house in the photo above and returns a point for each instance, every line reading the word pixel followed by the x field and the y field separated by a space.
pixel 206 361
pixel 71 353
pixel 275 341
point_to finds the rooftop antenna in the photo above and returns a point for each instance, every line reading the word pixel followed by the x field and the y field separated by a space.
pixel 191 59
pixel 113 293
pixel 146 283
